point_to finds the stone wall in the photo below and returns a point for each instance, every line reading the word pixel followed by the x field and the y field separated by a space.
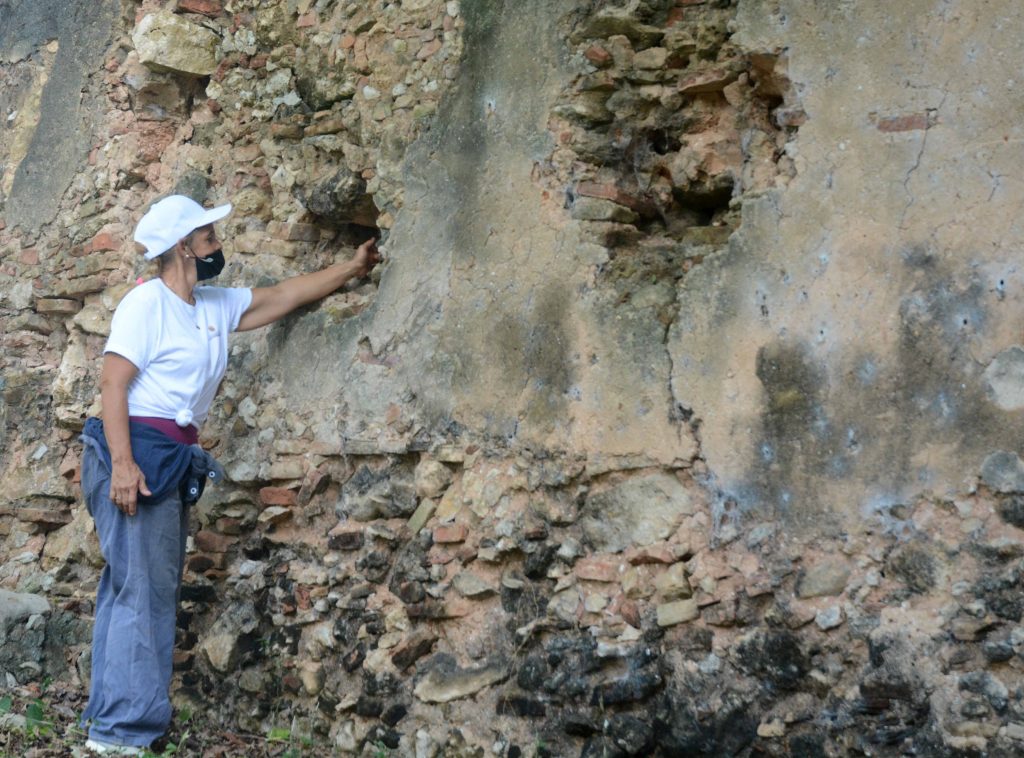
pixel 681 418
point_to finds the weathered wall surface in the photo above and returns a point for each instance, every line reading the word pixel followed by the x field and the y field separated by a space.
pixel 681 418
pixel 871 308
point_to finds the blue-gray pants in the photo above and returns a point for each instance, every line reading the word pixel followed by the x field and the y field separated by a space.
pixel 136 605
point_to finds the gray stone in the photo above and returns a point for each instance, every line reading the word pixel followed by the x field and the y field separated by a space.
pixel 432 478
pixel 1015 731
pixel 829 618
pixel 652 58
pixel 446 681
pixel 222 646
pixel 640 511
pixel 678 612
pixel 1003 471
pixel 221 650
pixel 673 584
pixel 94 319
pixel 16 607
pixel 599 209
pixel 760 534
pixel 612 21
pixel 422 515
pixel 824 579
pixel 341 199
pixel 22 634
pixel 565 605
pixel 168 42
pixel 374 494
pixel 469 584
pixel 588 108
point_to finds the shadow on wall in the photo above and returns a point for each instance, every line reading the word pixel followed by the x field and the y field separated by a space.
pixel 921 419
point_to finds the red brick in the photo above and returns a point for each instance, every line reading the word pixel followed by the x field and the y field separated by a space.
pixel 662 554
pixel 227 525
pixel 57 305
pixel 597 569
pixel 439 557
pixel 46 519
pixel 630 612
pixel 104 241
pixel 675 16
pixel 259 60
pixel 182 659
pixel 598 56
pixel 211 542
pixel 197 564
pixel 348 42
pixel 211 8
pixel 429 49
pixel 154 137
pixel 306 20
pixel 450 533
pixel 909 122
pixel 246 153
pixel 29 256
pixel 278 496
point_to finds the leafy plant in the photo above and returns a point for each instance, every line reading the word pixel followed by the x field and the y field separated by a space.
pixel 279 734
pixel 35 719
pixel 6 703
pixel 185 715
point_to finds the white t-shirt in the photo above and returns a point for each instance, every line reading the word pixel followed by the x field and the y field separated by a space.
pixel 181 350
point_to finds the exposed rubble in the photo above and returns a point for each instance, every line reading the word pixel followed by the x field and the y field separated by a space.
pixel 488 503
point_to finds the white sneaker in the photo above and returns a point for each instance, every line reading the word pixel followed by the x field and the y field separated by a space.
pixel 108 748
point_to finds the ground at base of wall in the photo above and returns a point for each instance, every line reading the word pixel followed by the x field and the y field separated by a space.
pixel 42 722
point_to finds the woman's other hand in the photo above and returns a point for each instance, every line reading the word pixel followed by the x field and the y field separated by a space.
pixel 126 483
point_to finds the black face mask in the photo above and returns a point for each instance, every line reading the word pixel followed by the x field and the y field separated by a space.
pixel 210 266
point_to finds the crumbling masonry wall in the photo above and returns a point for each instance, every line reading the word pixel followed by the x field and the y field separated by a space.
pixel 682 418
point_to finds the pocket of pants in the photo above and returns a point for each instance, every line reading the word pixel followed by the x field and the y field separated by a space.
pixel 95 479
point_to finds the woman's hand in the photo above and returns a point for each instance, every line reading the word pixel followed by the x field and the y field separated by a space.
pixel 126 482
pixel 367 256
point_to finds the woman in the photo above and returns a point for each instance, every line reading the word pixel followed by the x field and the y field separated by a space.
pixel 142 467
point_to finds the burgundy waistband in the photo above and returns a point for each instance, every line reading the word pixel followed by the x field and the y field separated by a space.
pixel 186 435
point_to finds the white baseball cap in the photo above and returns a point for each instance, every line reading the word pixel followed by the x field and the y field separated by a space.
pixel 171 219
